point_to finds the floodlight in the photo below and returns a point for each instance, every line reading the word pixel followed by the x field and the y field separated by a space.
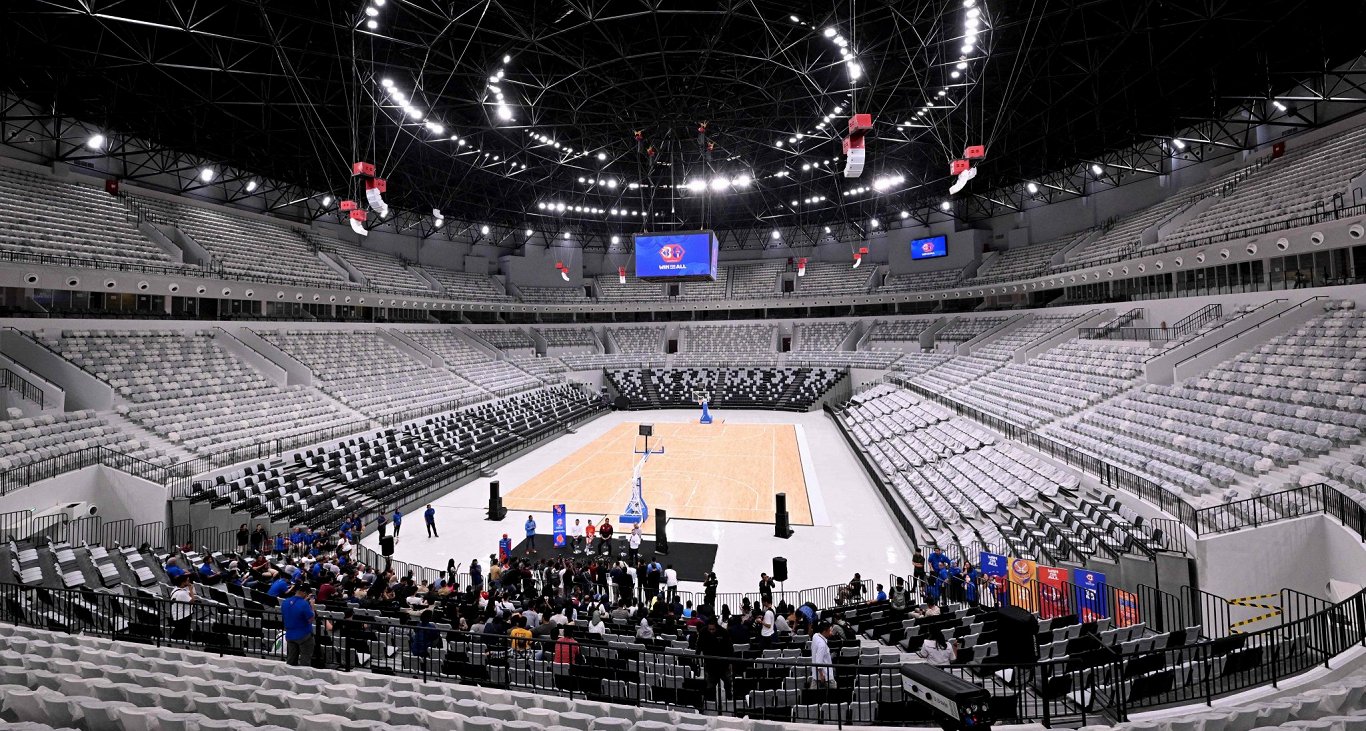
pixel 1096 169
pixel 566 234
pixel 602 156
pixel 1032 188
pixel 829 32
pixel 616 239
pixel 873 223
pixel 484 230
pixel 696 185
pixel 967 48
pixel 827 229
pixel 504 112
pixel 1277 103
pixel 905 214
pixel 372 25
pixel 944 205
pixel 251 185
pixel 372 11
pixel 327 200
pixel 774 235
pixel 206 174
pixel 611 183
pixel 794 19
pixel 527 232
pixel 1180 145
pixel 961 65
pixel 741 181
pixel 96 141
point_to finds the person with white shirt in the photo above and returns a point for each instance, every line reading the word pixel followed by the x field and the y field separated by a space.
pixel 766 625
pixel 671 584
pixel 822 675
pixel 576 536
pixel 937 651
pixel 635 543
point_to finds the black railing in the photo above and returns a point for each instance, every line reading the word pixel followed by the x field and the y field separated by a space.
pixel 1103 686
pixel 27 390
pixel 23 476
pixel 1239 334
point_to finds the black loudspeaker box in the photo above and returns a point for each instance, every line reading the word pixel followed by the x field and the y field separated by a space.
pixel 496 509
pixel 1015 643
pixel 779 568
pixel 661 539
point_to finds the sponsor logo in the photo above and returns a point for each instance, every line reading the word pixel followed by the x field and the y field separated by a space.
pixel 671 253
pixel 927 247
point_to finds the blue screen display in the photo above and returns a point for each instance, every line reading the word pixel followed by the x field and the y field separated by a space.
pixel 676 255
pixel 929 248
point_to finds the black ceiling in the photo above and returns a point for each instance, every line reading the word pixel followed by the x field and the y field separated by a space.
pixel 288 89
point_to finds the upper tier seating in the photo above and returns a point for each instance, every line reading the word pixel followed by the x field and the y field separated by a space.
pixel 46 215
pixel 610 289
pixel 724 339
pixel 912 364
pixel 1022 262
pixel 704 290
pixel 823 336
pixel 1346 475
pixel 917 281
pixel 570 295
pixel 381 270
pixel 594 361
pixel 1292 185
pixel 1124 235
pixel 191 392
pixel 843 358
pixel 828 278
pixel 538 365
pixel 966 328
pixel 252 245
pixel 753 281
pixel 637 339
pixel 507 339
pixel 466 285
pixel 770 388
pixel 898 330
pixel 52 434
pixel 478 366
pixel 366 372
pixel 1300 394
pixel 1059 382
pixel 559 337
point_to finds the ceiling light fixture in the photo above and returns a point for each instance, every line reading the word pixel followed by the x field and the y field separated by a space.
pixel 206 174
pixel 96 141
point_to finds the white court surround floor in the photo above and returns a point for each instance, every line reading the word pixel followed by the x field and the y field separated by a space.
pixel 853 531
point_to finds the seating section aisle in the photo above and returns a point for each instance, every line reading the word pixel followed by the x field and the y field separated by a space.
pixel 1297 396
pixel 40 214
pixel 186 389
pixel 753 281
pixel 610 289
pixel 30 441
pixel 1022 262
pixel 381 270
pixel 827 278
pixel 366 372
pixel 918 281
pixel 1293 185
pixel 466 285
pixel 251 245
pixel 478 366
pixel 648 339
pixel 821 336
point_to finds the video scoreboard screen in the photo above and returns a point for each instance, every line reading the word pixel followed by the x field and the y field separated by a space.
pixel 681 255
pixel 929 248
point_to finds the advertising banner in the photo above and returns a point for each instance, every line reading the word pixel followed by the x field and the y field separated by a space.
pixel 1052 591
pixel 1126 608
pixel 993 566
pixel 1023 574
pixel 557 513
pixel 1091 604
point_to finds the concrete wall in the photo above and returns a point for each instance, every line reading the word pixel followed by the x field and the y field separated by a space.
pixel 117 494
pixel 1302 554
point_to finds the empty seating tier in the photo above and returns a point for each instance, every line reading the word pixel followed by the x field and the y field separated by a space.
pixel 611 289
pixel 822 336
pixel 185 388
pixel 727 339
pixel 249 245
pixel 823 279
pixel 48 216
pixel 383 271
pixel 466 285
pixel 753 281
pixel 917 281
pixel 553 295
pixel 649 340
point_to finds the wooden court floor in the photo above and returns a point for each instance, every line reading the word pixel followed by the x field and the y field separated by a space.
pixel 718 471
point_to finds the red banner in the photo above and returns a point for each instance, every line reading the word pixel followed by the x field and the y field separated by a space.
pixel 1053 601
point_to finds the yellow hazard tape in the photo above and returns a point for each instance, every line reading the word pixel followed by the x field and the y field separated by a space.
pixel 1242 599
pixel 1234 627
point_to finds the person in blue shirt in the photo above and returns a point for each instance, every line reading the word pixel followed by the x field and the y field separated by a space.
pixel 297 615
pixel 937 560
pixel 398 522
pixel 280 543
pixel 207 573
pixel 429 516
pixel 504 548
pixel 530 534
pixel 173 569
pixel 383 524
pixel 476 575
pixel 881 595
pixel 296 539
pixel 278 587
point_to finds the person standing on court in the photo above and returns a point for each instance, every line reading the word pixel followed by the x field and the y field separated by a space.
pixel 429 515
pixel 605 537
pixel 383 524
pixel 398 521
pixel 530 534
pixel 634 542
pixel 671 583
pixel 297 615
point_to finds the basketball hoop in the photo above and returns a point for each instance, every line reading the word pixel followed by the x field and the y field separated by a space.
pixel 703 399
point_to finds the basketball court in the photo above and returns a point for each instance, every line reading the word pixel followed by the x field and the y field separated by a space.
pixel 720 472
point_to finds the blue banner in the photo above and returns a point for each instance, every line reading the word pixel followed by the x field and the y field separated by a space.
pixel 994 571
pixel 1091 604
pixel 558 520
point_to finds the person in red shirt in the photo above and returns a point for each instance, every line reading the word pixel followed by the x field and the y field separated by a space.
pixel 605 536
pixel 589 531
pixel 567 648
